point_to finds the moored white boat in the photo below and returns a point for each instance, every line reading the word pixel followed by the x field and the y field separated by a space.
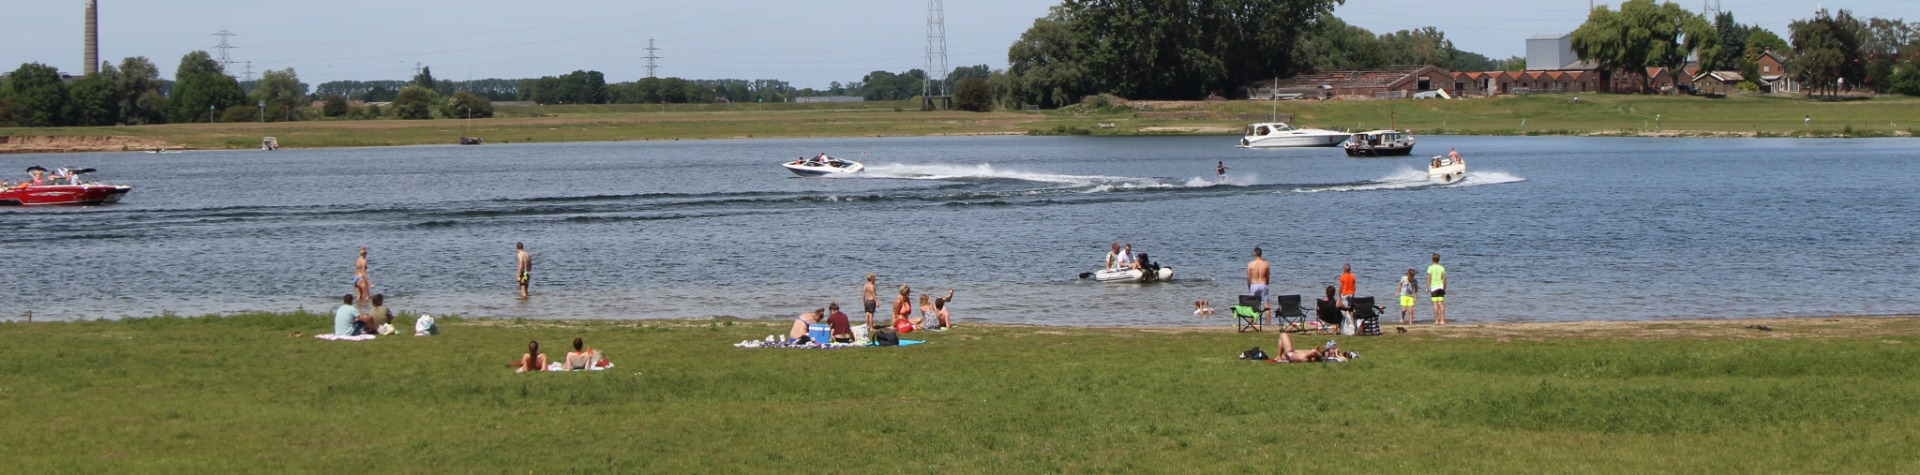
pixel 1279 134
pixel 1447 170
pixel 824 166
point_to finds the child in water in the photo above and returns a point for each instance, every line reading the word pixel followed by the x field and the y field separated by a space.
pixel 1201 309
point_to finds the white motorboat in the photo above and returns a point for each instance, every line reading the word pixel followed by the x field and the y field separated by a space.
pixel 1279 134
pixel 1447 170
pixel 1133 275
pixel 823 166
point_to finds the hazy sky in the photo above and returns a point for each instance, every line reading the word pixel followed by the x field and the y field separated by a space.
pixel 808 43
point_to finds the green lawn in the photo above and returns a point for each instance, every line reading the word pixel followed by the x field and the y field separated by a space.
pixel 192 395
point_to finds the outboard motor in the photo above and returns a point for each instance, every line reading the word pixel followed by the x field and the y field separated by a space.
pixel 1150 270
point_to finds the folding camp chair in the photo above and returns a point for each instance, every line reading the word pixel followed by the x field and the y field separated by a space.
pixel 1246 315
pixel 1366 315
pixel 1328 312
pixel 1289 312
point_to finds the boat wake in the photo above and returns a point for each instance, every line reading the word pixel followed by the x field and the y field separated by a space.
pixel 1411 179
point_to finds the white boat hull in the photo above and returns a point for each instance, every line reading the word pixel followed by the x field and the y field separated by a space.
pixel 1448 172
pixel 1129 275
pixel 1304 139
pixel 852 167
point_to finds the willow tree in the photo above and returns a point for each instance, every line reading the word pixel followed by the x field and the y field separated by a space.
pixel 1643 35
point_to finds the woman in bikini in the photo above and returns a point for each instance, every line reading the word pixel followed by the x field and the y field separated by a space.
pixel 903 310
pixel 532 361
pixel 1289 355
pixel 582 357
pixel 800 324
pixel 361 285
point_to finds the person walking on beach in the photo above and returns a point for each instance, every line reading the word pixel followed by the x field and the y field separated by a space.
pixel 1437 287
pixel 523 272
pixel 1257 273
pixel 362 286
pixel 1406 291
pixel 1220 170
pixel 869 299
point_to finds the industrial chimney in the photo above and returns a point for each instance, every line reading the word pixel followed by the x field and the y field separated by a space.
pixel 93 37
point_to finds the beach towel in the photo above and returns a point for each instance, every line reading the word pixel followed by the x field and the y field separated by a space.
pixel 333 337
pixel 780 343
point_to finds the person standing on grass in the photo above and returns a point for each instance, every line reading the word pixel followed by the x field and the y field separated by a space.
pixel 1257 273
pixel 1437 287
pixel 524 272
pixel 869 299
pixel 1407 290
pixel 362 286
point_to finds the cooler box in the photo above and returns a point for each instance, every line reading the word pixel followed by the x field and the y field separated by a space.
pixel 820 332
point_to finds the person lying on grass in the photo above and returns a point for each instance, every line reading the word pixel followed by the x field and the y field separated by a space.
pixel 532 361
pixel 1287 354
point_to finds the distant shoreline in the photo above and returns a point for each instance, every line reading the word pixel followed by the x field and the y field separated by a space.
pixel 1534 115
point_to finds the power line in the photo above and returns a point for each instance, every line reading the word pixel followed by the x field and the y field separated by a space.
pixel 935 84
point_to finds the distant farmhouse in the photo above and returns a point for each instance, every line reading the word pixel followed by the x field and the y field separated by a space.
pixel 1552 67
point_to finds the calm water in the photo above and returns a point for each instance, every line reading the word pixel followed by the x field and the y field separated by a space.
pixel 1543 229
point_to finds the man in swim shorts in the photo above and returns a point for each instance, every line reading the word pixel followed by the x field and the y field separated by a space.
pixel 869 299
pixel 1257 273
pixel 524 272
pixel 1437 287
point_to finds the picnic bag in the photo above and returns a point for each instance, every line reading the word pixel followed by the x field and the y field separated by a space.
pixel 1253 354
pixel 886 337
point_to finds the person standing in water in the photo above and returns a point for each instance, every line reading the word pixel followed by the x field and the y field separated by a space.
pixel 1437 287
pixel 362 286
pixel 1220 171
pixel 523 273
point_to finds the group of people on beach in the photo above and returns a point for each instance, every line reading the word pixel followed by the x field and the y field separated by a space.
pixel 1259 274
pixel 933 315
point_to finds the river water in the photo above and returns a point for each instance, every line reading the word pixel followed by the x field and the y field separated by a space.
pixel 1544 228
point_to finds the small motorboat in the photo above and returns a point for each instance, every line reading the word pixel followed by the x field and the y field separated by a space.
pixel 1447 170
pixel 1380 143
pixel 824 165
pixel 1123 276
pixel 1279 134
pixel 73 192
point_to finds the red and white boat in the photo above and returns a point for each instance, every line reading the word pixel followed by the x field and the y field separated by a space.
pixel 75 193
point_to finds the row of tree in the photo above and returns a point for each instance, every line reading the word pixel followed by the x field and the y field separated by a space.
pixel 1829 53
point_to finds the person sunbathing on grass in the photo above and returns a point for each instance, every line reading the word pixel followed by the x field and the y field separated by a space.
pixel 530 362
pixel 1288 354
pixel 582 357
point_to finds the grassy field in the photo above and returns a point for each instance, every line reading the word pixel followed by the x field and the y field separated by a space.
pixel 1549 114
pixel 241 393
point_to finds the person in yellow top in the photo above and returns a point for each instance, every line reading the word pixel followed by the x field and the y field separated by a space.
pixel 1437 287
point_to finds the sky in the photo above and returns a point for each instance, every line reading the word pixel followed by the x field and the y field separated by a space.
pixel 807 43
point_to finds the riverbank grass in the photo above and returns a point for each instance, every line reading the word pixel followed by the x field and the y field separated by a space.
pixel 244 393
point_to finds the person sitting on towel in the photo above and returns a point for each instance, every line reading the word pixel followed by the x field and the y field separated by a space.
pixel 582 357
pixel 800 324
pixel 842 330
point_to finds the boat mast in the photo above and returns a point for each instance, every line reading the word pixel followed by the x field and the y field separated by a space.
pixel 1276 99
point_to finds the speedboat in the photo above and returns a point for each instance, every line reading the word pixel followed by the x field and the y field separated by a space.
pixel 1380 143
pixel 1122 276
pixel 1447 170
pixel 824 166
pixel 74 192
pixel 1279 134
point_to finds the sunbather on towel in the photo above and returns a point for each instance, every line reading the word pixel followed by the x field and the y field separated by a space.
pixel 532 361
pixel 582 357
